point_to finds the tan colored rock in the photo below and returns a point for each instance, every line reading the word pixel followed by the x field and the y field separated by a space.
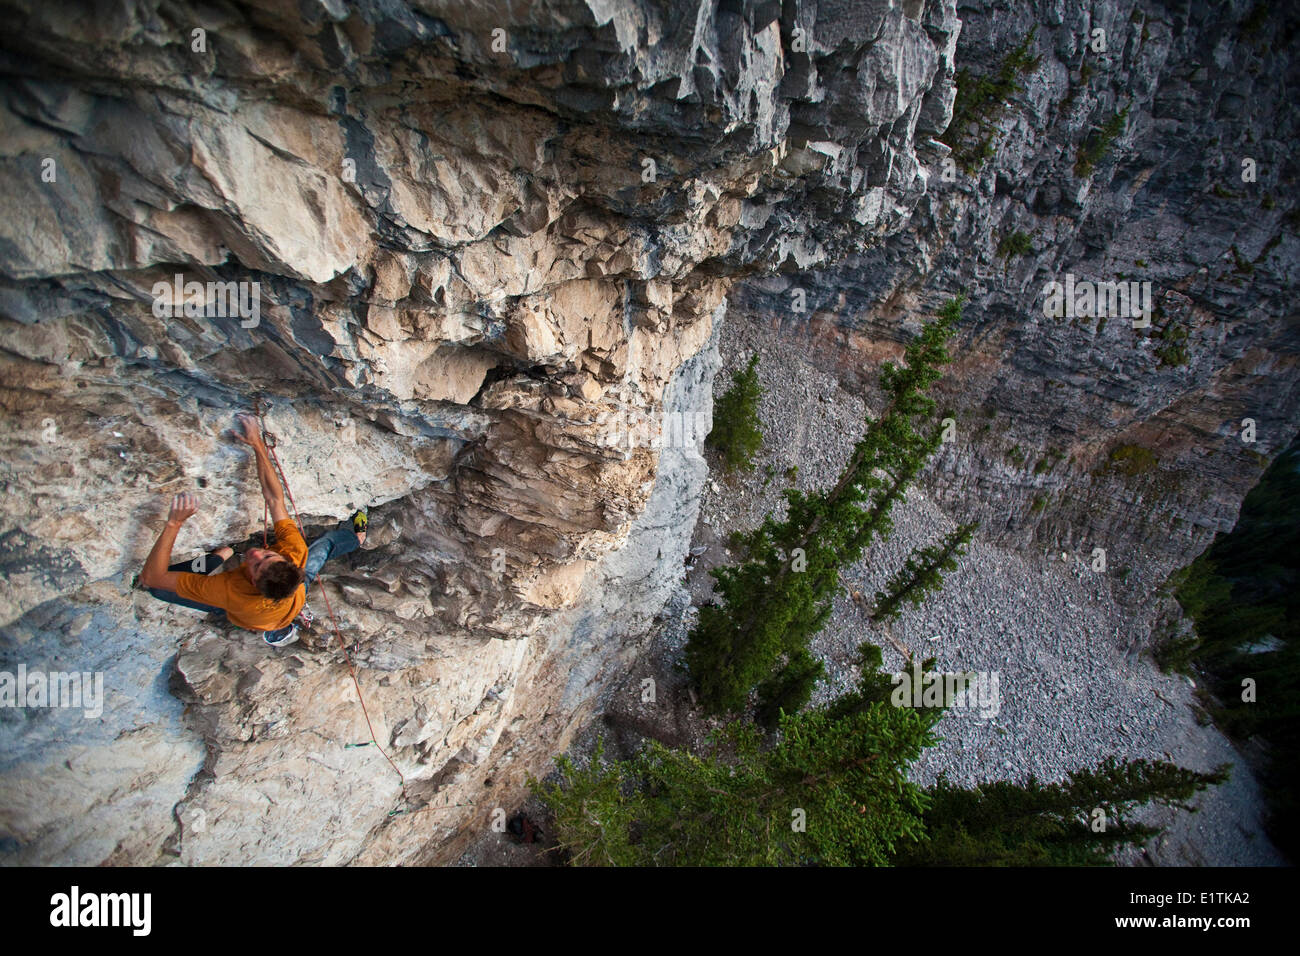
pixel 294 217
pixel 386 323
pixel 558 587
pixel 452 374
pixel 392 276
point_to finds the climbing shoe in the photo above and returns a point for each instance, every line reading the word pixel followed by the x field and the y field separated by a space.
pixel 359 522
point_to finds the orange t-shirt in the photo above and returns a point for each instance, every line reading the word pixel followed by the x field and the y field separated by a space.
pixel 234 590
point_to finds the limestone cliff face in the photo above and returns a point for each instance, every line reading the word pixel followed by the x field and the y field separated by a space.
pixel 1074 434
pixel 492 245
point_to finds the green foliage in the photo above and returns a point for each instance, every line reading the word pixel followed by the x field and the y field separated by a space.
pixel 1015 244
pixel 922 573
pixel 1050 460
pixel 591 816
pixel 1243 595
pixel 1039 505
pixel 1097 144
pixel 1037 824
pixel 770 606
pixel 874 685
pixel 741 802
pixel 1173 350
pixel 736 433
pixel 789 688
pixel 982 100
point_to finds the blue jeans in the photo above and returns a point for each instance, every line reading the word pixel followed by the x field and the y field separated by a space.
pixel 334 544
pixel 342 540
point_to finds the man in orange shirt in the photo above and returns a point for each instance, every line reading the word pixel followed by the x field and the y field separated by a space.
pixel 265 593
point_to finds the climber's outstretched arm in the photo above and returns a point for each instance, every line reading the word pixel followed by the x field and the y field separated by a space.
pixel 271 490
pixel 155 573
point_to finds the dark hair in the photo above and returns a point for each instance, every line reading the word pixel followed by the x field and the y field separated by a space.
pixel 280 580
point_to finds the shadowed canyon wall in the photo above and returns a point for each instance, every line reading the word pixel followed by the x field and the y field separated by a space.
pixel 1074 433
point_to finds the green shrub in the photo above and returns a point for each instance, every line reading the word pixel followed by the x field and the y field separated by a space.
pixel 1015 244
pixel 789 688
pixel 1049 461
pixel 981 100
pixel 1173 351
pixel 1097 144
pixel 734 805
pixel 833 789
pixel 1131 460
pixel 922 573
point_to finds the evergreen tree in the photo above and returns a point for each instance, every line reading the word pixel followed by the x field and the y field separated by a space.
pixel 831 792
pixel 736 432
pixel 789 688
pixel 876 687
pixel 922 573
pixel 832 789
pixel 1037 824
pixel 769 606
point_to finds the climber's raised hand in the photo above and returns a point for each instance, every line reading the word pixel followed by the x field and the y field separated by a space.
pixel 271 491
pixel 250 434
pixel 183 505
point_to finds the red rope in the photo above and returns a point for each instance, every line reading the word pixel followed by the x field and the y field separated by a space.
pixel 333 620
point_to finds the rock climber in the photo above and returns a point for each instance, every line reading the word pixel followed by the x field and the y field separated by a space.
pixel 268 590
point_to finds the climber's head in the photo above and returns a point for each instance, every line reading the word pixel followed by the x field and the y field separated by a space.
pixel 273 574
